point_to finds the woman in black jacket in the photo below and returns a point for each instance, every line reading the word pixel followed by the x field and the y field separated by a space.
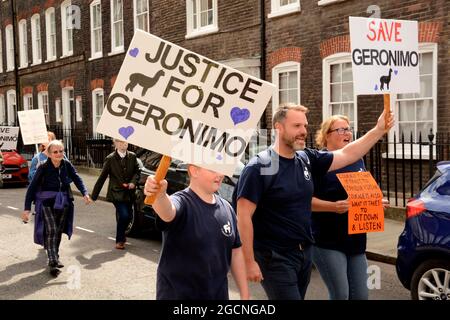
pixel 123 170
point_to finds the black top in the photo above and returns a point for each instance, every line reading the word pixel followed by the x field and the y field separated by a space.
pixel 50 178
pixel 282 188
pixel 197 249
pixel 330 229
pixel 120 171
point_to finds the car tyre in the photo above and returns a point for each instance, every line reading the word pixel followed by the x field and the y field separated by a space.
pixel 426 274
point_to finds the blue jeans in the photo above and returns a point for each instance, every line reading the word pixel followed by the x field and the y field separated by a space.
pixel 286 274
pixel 123 215
pixel 344 275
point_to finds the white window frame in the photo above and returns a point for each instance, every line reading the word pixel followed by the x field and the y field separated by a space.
pixel 28 101
pixel 192 32
pixel 278 10
pixel 423 48
pixel 23 43
pixel 323 3
pixel 96 54
pixel 78 109
pixel 3 111
pixel 95 121
pixel 135 16
pixel 11 106
pixel 115 49
pixel 1 52
pixel 43 104
pixel 337 58
pixel 58 110
pixel 51 37
pixel 36 39
pixel 9 45
pixel 288 66
pixel 67 42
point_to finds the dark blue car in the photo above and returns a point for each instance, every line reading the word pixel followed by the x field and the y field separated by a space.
pixel 423 261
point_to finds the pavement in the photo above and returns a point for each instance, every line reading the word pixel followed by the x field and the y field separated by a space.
pixel 381 246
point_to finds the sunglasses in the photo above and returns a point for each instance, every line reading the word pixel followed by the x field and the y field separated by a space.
pixel 58 151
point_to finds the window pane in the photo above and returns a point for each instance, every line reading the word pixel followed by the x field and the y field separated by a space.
pixel 347 71
pixel 424 128
pixel 336 109
pixel 426 86
pixel 347 91
pixel 336 93
pixel 283 80
pixel 204 5
pixel 336 73
pixel 406 96
pixel 347 109
pixel 406 129
pixel 204 19
pixel 284 97
pixel 426 63
pixel 406 111
pixel 293 97
pixel 293 80
pixel 424 110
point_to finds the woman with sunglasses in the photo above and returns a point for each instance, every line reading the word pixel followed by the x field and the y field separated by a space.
pixel 339 257
pixel 50 189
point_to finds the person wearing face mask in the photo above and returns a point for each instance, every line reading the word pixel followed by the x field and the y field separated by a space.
pixel 339 256
pixel 123 170
pixel 50 190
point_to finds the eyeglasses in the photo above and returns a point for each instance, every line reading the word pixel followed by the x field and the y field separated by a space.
pixel 342 131
pixel 58 151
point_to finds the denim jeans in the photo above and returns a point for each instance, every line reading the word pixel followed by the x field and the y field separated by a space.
pixel 123 216
pixel 344 275
pixel 286 274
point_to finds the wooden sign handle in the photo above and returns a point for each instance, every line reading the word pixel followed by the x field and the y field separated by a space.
pixel 160 174
pixel 387 108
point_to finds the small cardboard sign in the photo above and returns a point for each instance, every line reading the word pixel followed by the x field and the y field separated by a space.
pixel 183 105
pixel 385 55
pixel 33 127
pixel 366 213
pixel 8 138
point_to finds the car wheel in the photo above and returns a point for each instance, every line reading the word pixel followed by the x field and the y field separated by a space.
pixel 431 281
pixel 135 225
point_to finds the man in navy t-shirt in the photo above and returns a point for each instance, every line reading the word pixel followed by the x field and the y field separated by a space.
pixel 273 202
pixel 200 240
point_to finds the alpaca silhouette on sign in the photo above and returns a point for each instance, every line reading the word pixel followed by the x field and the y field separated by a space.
pixel 144 81
pixel 385 79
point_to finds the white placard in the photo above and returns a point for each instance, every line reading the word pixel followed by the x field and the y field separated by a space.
pixel 32 126
pixel 178 103
pixel 8 138
pixel 385 55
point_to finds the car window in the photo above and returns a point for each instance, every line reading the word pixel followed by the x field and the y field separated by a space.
pixel 444 189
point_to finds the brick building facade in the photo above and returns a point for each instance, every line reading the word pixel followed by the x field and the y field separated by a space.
pixel 302 46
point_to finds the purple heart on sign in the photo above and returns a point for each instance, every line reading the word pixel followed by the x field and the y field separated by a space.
pixel 134 52
pixel 126 131
pixel 219 157
pixel 395 72
pixel 239 115
pixel 376 87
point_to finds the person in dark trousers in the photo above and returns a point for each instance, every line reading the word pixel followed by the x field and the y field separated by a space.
pixel 340 257
pixel 50 190
pixel 200 240
pixel 123 170
pixel 273 200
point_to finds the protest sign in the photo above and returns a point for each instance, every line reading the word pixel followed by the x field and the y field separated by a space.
pixel 385 55
pixel 33 127
pixel 366 213
pixel 178 103
pixel 8 138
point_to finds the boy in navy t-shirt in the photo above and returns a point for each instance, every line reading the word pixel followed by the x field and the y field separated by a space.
pixel 200 240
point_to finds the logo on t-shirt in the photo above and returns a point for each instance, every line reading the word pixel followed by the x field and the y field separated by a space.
pixel 226 229
pixel 306 173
